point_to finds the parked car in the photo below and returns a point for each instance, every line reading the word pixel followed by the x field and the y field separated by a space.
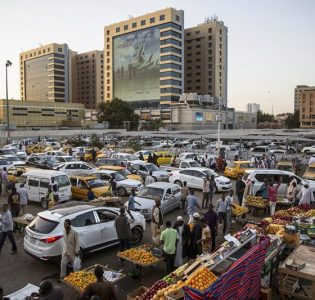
pixel 195 177
pixel 143 169
pixel 37 183
pixel 56 153
pixel 124 185
pixel 258 151
pixel 95 226
pixel 236 168
pixel 81 184
pixel 125 157
pixel 13 151
pixel 42 161
pixel 4 163
pixel 66 158
pixel 123 171
pixel 168 193
pixel 163 157
pixel 15 172
pixel 259 175
pixel 308 150
pixel 109 162
pixel 15 160
pixel 309 173
pixel 74 167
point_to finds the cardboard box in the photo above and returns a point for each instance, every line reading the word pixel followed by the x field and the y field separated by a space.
pixel 138 292
pixel 265 294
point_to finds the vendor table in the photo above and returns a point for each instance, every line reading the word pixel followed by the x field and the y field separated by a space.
pixel 257 210
pixel 21 223
pixel 302 254
pixel 137 266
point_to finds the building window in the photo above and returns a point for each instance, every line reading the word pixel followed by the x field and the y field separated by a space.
pixel 108 95
pixel 198 60
pixel 117 29
pixel 210 30
pixel 198 73
pixel 177 18
pixel 142 22
pixel 152 20
pixel 162 17
pixel 59 49
pixel 125 27
pixel 198 67
pixel 210 38
pixel 198 87
pixel 210 44
pixel 189 48
pixel 198 80
pixel 134 25
pixel 107 40
pixel 188 34
pixel 198 53
pixel 198 46
pixel 197 32
pixel 220 31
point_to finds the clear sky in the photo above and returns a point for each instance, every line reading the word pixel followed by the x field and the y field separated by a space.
pixel 271 42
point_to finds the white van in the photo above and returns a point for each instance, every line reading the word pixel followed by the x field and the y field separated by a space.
pixel 258 175
pixel 37 183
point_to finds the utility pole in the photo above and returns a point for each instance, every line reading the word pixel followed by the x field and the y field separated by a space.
pixel 7 64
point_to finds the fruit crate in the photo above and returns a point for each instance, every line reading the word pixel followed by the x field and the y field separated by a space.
pixel 203 261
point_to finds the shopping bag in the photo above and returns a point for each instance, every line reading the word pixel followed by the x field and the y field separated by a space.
pixel 77 265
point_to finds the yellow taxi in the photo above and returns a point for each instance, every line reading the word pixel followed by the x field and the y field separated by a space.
pixel 123 171
pixel 163 157
pixel 15 173
pixel 38 148
pixel 310 172
pixel 88 153
pixel 285 166
pixel 238 167
pixel 80 186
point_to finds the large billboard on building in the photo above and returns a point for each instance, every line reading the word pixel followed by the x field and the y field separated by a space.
pixel 136 58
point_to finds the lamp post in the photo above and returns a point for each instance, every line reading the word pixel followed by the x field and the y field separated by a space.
pixel 7 64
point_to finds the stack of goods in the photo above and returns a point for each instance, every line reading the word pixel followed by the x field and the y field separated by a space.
pixel 80 280
pixel 256 201
pixel 238 210
pixel 201 279
pixel 101 200
pixel 139 255
pixel 258 229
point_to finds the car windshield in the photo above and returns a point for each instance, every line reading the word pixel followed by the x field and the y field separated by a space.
pixel 42 225
pixel 124 172
pixel 8 151
pixel 62 180
pixel 248 166
pixel 118 176
pixel 151 193
pixel 194 164
pixel 152 167
pixel 210 172
pixel 4 162
pixel 231 164
pixel 14 158
pixel 131 157
pixel 93 183
pixel 60 153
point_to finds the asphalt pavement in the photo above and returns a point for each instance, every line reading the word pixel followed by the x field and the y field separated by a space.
pixel 18 270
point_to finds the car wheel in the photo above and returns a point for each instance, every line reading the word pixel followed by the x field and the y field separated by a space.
pixel 122 191
pixel 44 203
pixel 136 235
pixel 306 151
pixel 178 182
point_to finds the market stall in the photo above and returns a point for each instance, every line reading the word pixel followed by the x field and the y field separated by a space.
pixel 79 280
pixel 141 257
pixel 257 205
pixel 21 222
pixel 239 211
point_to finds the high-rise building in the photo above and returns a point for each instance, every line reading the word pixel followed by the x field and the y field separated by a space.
pixel 206 47
pixel 89 74
pixel 307 107
pixel 46 73
pixel 253 107
pixel 298 91
pixel 144 59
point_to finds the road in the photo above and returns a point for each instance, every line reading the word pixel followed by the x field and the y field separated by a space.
pixel 18 270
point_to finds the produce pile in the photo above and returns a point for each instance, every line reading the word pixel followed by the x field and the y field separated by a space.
pixel 201 279
pixel 80 279
pixel 256 201
pixel 139 255
pixel 258 229
pixel 275 229
pixel 238 210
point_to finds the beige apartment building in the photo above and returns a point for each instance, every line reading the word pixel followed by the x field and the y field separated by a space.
pixel 206 47
pixel 46 74
pixel 144 59
pixel 298 92
pixel 39 114
pixel 89 76
pixel 307 108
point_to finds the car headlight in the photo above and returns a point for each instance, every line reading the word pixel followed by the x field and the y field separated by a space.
pixel 145 211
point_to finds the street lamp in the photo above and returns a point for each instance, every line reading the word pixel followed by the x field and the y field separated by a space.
pixel 7 64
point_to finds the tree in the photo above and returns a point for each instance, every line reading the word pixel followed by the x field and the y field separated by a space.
pixel 264 117
pixel 116 112
pixel 293 120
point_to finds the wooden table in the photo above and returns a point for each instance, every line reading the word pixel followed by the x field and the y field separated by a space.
pixel 302 254
pixel 21 223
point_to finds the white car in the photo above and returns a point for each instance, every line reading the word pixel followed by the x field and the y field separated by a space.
pixel 195 177
pixel 56 153
pixel 75 167
pixel 5 163
pixel 13 151
pixel 308 150
pixel 124 185
pixel 95 227
pixel 15 160
pixel 66 158
pixel 189 163
pixel 169 194
pixel 125 157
